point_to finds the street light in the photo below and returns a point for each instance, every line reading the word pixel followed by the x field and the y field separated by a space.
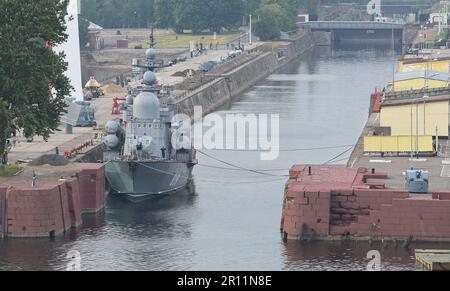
pixel 250 41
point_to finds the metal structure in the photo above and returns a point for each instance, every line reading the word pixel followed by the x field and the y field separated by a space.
pixel 417 181
pixel 80 114
pixel 148 154
pixel 360 33
pixel 359 25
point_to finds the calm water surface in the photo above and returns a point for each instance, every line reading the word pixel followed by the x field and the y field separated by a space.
pixel 231 221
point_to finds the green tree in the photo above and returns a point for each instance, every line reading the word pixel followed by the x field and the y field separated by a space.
pixel 88 9
pixel 250 6
pixel 27 66
pixel 268 26
pixel 119 13
pixel 213 15
pixel 289 11
pixel 164 15
pixel 83 28
pixel 224 14
pixel 312 6
pixel 191 14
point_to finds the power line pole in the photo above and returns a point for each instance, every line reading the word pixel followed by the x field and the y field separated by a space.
pixel 250 30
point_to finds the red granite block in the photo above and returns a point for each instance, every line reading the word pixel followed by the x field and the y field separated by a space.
pixel 340 211
pixel 376 175
pixel 323 230
pixel 399 194
pixel 335 205
pixel 347 192
pixel 295 190
pixel 339 198
pixel 334 216
pixel 301 201
pixel 296 170
pixel 353 198
pixel 363 219
pixel 309 213
pixel 340 229
pixel 74 201
pixel 293 212
pixel 362 193
pixel 350 205
pixel 444 196
pixel 312 194
pixel 325 195
pixel 323 213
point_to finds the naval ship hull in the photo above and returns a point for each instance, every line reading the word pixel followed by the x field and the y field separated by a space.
pixel 139 181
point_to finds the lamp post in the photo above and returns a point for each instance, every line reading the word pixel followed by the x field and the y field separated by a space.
pixel 250 41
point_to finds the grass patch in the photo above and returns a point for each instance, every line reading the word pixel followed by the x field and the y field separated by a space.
pixel 9 170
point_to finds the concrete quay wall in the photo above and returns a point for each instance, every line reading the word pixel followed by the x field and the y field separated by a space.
pixel 228 86
pixel 317 208
pixel 53 207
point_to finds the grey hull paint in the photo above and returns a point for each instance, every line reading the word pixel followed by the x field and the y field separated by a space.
pixel 144 180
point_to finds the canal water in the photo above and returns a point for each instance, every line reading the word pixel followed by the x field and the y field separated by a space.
pixel 231 218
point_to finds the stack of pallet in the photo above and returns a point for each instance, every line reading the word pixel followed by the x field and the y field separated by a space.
pixel 433 260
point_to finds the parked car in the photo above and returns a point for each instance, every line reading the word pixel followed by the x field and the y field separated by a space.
pixel 208 66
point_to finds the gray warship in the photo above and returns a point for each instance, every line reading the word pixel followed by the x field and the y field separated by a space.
pixel 146 156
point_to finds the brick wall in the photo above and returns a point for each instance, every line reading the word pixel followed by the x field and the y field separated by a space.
pixel 2 211
pixel 313 209
pixel 35 212
pixel 92 189
pixel 53 207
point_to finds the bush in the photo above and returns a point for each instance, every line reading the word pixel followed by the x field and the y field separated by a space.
pixel 9 170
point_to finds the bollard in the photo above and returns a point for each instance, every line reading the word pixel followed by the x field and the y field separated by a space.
pixel 34 180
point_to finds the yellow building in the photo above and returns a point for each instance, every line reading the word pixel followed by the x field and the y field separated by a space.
pixel 414 117
pixel 398 144
pixel 438 65
pixel 418 80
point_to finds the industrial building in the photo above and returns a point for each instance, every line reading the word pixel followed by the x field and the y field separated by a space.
pixel 420 64
pixel 424 116
pixel 417 80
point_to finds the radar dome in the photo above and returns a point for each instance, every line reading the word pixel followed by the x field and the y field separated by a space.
pixel 149 78
pixel 150 53
pixel 146 106
pixel 111 127
pixel 111 141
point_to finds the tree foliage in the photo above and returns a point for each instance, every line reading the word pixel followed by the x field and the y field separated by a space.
pixel 119 13
pixel 274 16
pixel 268 24
pixel 28 67
pixel 164 17
pixel 83 28
pixel 196 15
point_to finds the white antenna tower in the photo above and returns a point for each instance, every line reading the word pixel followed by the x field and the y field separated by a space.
pixel 71 48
